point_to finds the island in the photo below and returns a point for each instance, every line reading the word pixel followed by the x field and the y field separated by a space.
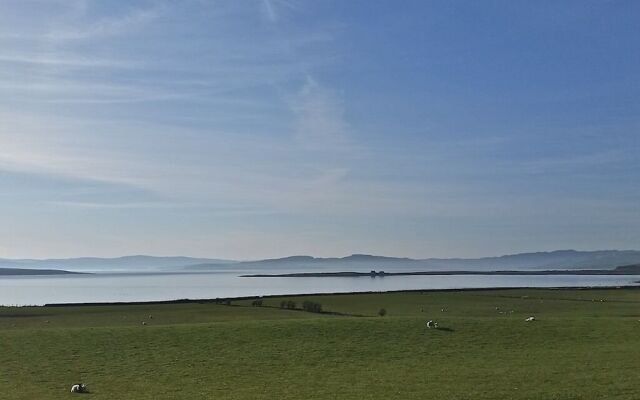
pixel 621 270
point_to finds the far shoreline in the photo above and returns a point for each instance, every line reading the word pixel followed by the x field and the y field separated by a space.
pixel 222 300
pixel 37 272
pixel 620 271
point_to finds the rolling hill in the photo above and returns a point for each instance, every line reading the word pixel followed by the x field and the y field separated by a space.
pixel 127 263
pixel 561 259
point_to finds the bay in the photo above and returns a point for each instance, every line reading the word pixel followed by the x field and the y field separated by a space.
pixel 133 287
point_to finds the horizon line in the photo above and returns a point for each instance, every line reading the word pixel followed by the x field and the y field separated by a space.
pixel 310 256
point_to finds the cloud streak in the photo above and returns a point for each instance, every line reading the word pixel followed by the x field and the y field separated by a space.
pixel 269 10
pixel 65 60
pixel 106 27
pixel 320 122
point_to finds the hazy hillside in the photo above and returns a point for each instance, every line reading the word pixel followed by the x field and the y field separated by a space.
pixel 135 263
pixel 561 259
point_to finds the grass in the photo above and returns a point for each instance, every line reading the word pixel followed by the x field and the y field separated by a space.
pixel 579 348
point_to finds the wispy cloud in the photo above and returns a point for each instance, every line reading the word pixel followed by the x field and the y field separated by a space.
pixel 208 208
pixel 272 8
pixel 296 158
pixel 319 118
pixel 105 27
pixel 591 161
pixel 123 205
pixel 58 59
pixel 269 11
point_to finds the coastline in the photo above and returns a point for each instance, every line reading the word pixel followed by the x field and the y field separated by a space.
pixel 240 298
pixel 382 274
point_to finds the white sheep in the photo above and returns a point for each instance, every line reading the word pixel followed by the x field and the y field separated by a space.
pixel 79 388
pixel 531 318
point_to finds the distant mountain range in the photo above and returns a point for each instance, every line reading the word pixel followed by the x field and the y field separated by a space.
pixel 560 259
pixel 127 263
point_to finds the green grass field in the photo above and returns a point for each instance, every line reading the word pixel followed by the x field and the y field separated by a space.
pixel 578 348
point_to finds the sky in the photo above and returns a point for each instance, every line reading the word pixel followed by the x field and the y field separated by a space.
pixel 268 128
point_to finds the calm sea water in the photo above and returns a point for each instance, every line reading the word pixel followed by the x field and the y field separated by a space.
pixel 123 287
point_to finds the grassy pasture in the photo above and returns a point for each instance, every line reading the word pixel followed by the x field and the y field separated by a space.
pixel 579 348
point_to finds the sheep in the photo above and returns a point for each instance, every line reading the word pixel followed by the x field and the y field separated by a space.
pixel 531 318
pixel 144 323
pixel 432 324
pixel 79 388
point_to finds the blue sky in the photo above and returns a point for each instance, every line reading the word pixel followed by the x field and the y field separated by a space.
pixel 252 129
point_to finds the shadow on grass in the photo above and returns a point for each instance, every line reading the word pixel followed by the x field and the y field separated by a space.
pixel 448 330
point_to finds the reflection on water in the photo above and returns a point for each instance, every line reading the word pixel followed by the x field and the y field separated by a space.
pixel 120 287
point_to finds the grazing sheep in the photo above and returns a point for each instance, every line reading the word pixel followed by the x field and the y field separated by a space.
pixel 531 318
pixel 144 323
pixel 79 388
pixel 432 324
pixel 150 316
